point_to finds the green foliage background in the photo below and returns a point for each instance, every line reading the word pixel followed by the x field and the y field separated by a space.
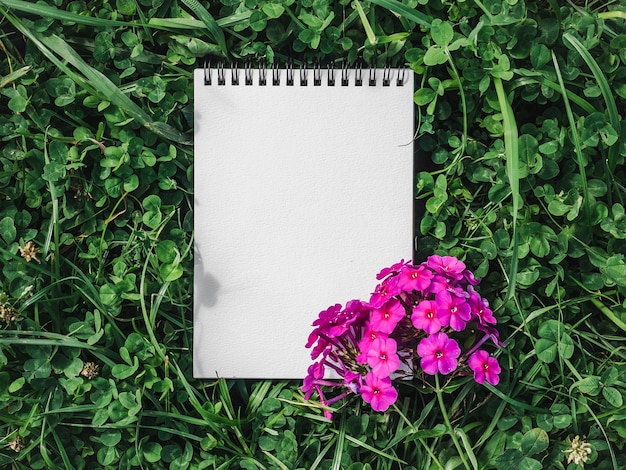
pixel 520 108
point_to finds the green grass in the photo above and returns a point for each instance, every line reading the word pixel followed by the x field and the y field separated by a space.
pixel 520 110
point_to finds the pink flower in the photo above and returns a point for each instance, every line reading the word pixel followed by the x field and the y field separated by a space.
pixel 315 373
pixel 378 392
pixel 369 335
pixel 454 307
pixel 353 381
pixel 322 346
pixel 390 270
pixel 484 367
pixel 480 307
pixel 447 265
pixel 440 282
pixel 469 277
pixel 384 291
pixel 323 322
pixel 338 325
pixel 385 318
pixel 413 278
pixel 438 354
pixel 382 357
pixel 426 316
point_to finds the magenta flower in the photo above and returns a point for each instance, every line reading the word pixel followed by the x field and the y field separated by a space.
pixel 338 325
pixel 447 265
pixel 484 367
pixel 385 318
pixel 413 278
pixel 378 392
pixel 438 354
pixel 323 323
pixel 382 357
pixel 369 335
pixel 469 277
pixel 454 307
pixel 384 291
pixel 353 381
pixel 390 270
pixel 480 307
pixel 315 373
pixel 366 344
pixel 440 282
pixel 426 316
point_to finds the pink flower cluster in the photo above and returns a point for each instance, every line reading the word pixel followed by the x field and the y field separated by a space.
pixel 405 330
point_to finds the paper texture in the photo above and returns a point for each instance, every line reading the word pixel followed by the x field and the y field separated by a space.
pixel 302 194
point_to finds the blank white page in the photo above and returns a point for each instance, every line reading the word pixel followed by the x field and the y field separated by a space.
pixel 302 194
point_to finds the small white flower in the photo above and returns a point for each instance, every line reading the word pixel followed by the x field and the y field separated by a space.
pixel 16 445
pixel 579 451
pixel 29 252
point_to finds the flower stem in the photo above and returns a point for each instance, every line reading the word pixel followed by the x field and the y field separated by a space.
pixel 446 420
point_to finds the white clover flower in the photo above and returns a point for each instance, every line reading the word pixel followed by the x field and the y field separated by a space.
pixel 579 451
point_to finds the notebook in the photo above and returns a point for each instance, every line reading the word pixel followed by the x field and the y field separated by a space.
pixel 303 191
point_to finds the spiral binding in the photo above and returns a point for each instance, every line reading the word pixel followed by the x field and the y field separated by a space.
pixel 275 71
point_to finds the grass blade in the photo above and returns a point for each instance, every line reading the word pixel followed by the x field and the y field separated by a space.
pixel 467 446
pixel 387 457
pixel 511 150
pixel 405 11
pixel 341 436
pixel 371 37
pixel 607 94
pixel 45 11
pixel 576 139
pixel 94 81
pixel 609 313
pixel 14 75
pixel 209 22
pixel 529 78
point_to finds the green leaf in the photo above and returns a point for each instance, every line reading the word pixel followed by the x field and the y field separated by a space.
pixel 110 437
pixel 590 385
pixel 539 55
pixel 53 172
pixel 126 7
pixel 615 270
pixel 170 272
pixel 512 458
pixel 16 385
pixel 534 441
pixel 167 251
pixel 423 96
pixel 152 203
pixel 273 10
pixel 152 451
pixel 109 295
pixel 528 463
pixel 123 371
pixel 107 456
pixel 553 340
pixel 435 55
pixel 258 20
pixel 18 104
pixel 7 230
pixel 613 396
pixel 546 350
pixel 441 32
